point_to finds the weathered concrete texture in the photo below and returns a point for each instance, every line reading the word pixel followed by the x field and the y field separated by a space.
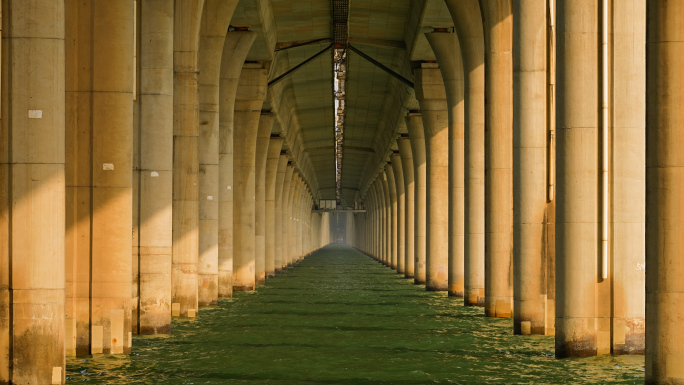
pixel 215 19
pixel 664 191
pixel 297 214
pixel 382 220
pixel 112 125
pixel 391 185
pixel 187 16
pixel 291 233
pixel 263 136
pixel 448 52
pixel 498 28
pixel 468 24
pixel 404 145
pixel 387 221
pixel 401 212
pixel 279 239
pixel 99 161
pixel 300 219
pixel 32 171
pixel 530 165
pixel 152 214
pixel 273 168
pixel 431 96
pixel 376 218
pixel 235 49
pixel 78 180
pixel 286 218
pixel 578 330
pixel 249 99
pixel 414 123
pixel 629 176
pixel 325 229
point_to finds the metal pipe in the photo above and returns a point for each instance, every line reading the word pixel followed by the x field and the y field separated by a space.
pixel 298 66
pixel 382 67
pixel 551 97
pixel 604 132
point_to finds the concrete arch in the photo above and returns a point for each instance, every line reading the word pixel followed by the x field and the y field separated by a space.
pixel 467 19
pixel 186 38
pixel 216 16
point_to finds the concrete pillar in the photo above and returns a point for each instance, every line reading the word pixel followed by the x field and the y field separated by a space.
pixel 32 170
pixel 401 212
pixel 292 242
pixel 448 52
pixel 273 168
pixel 498 28
pixel 629 176
pixel 579 332
pixel 79 178
pixel 379 221
pixel 406 155
pixel 325 229
pixel 188 16
pixel 303 221
pixel 370 208
pixel 112 149
pixel 278 230
pixel 376 235
pixel 286 221
pixel 468 24
pixel 370 212
pixel 664 191
pixel 296 215
pixel 248 102
pixel 370 195
pixel 530 165
pixel 300 222
pixel 382 220
pixel 391 184
pixel 235 49
pixel 100 132
pixel 431 96
pixel 388 221
pixel 414 122
pixel 215 19
pixel 261 154
pixel 155 168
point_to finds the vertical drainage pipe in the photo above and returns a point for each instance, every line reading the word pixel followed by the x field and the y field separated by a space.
pixel 551 41
pixel 604 128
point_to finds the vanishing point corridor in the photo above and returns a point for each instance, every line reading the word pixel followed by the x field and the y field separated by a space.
pixel 339 317
pixel 178 179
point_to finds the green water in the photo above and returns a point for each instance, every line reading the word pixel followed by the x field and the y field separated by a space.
pixel 339 317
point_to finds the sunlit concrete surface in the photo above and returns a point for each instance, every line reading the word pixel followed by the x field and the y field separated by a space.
pixel 158 157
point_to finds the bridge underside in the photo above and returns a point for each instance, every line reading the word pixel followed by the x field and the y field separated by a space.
pixel 157 155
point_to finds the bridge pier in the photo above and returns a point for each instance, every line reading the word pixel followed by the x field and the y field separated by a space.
pixel 414 124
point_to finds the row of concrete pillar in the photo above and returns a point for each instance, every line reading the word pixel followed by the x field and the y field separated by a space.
pixel 137 127
pixel 124 134
pixel 510 217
